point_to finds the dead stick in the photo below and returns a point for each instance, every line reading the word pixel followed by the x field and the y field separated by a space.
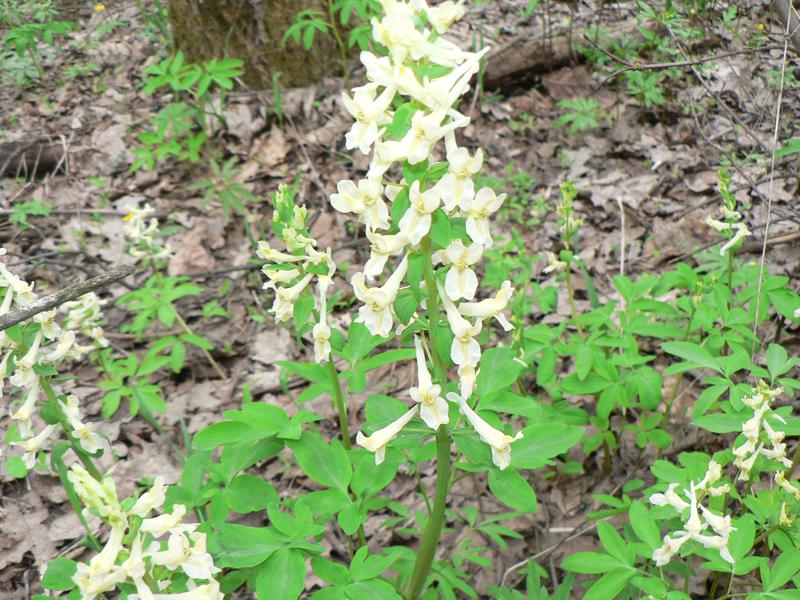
pixel 72 291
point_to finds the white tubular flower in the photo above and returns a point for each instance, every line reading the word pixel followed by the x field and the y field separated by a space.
pixel 777 453
pixel 135 567
pixel 716 542
pixel 426 130
pixel 461 281
pixel 321 331
pixel 776 437
pixel 23 373
pixel 433 408
pixel 47 320
pixel 398 33
pixel 746 465
pixel 61 350
pixel 364 200
pixel 98 497
pixel 720 524
pixel 466 380
pixel 713 474
pixel 752 427
pixel 739 230
pixel 199 564
pixel 382 247
pixel 664 554
pixel 31 446
pixel 694 525
pixel 286 297
pixel 173 556
pixel 278 277
pixel 83 432
pixel 22 291
pixel 4 370
pixel 99 576
pixel 24 412
pixel 443 92
pixel 443 15
pixel 8 298
pixel 669 497
pixel 162 524
pixel 500 442
pixel 784 518
pixel 416 221
pixel 151 499
pixel 491 307
pixel 478 210
pixel 388 74
pixel 376 314
pixel 377 441
pixel 368 111
pixel 208 591
pixel 554 265
pixel 268 253
pixel 465 349
pixel 457 187
pixel 787 486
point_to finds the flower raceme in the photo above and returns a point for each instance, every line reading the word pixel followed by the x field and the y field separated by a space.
pixel 139 560
pixel 48 343
pixel 416 210
pixel 290 274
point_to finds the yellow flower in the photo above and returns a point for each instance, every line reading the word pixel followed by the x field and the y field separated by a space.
pixel 761 27
pixel 99 7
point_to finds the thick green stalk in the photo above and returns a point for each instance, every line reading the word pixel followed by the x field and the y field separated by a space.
pixel 433 529
pixel 430 538
pixel 338 399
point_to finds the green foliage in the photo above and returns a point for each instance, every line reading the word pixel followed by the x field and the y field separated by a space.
pixel 14 13
pixel 645 86
pixel 21 211
pixel 222 187
pixel 580 114
pixel 181 128
pixel 30 42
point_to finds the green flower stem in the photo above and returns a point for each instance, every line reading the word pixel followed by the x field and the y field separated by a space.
pixel 434 315
pixel 338 399
pixel 430 538
pixel 573 307
pixel 433 529
pixel 341 408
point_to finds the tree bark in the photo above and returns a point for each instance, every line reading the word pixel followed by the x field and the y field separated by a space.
pixel 253 31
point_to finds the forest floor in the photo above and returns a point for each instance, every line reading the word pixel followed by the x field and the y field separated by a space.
pixel 647 180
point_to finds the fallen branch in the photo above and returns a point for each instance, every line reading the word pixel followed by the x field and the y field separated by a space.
pixel 71 292
pixel 512 64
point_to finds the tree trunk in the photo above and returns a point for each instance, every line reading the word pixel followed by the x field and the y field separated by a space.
pixel 253 31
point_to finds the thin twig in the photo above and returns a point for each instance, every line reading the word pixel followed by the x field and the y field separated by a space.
pixel 775 133
pixel 72 291
pixel 689 62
